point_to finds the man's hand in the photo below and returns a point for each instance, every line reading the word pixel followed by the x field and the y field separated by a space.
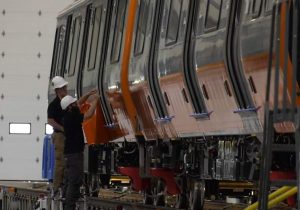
pixel 94 99
pixel 97 96
pixel 92 92
pixel 87 97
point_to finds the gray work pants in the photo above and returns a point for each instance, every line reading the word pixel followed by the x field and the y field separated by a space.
pixel 73 178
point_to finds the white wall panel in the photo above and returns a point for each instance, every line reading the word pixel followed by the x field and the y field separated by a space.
pixel 27 30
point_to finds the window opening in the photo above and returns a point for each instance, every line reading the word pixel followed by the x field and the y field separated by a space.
pixel 269 5
pixel 199 27
pixel 256 8
pixel 66 44
pixel 118 31
pixel 54 54
pixel 96 25
pixel 74 42
pixel 60 50
pixel 70 44
pixel 173 21
pixel 213 14
pixel 141 27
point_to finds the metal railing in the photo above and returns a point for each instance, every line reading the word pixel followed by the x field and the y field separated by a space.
pixel 282 97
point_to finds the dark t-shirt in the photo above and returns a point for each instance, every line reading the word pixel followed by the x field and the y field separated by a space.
pixel 55 111
pixel 73 130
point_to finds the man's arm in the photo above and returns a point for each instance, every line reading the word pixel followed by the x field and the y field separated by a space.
pixel 55 125
pixel 89 113
pixel 82 99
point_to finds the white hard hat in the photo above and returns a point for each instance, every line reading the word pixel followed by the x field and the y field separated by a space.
pixel 66 101
pixel 58 82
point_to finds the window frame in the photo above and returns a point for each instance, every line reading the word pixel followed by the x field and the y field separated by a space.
pixel 268 11
pixel 73 29
pixel 256 14
pixel 91 37
pixel 60 52
pixel 69 50
pixel 114 46
pixel 168 24
pixel 214 28
pixel 200 24
pixel 66 43
pixel 54 53
pixel 136 52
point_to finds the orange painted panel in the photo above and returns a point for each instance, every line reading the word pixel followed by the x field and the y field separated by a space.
pixel 93 128
pixel 131 110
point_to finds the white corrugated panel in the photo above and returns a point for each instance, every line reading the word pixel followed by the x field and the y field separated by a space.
pixel 27 31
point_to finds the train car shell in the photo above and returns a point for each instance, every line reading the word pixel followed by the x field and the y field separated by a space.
pixel 74 47
pixel 213 70
pixel 210 70
pixel 140 64
pixel 113 81
pixel 72 61
pixel 57 52
pixel 97 26
pixel 170 66
pixel 83 72
pixel 60 64
pixel 254 41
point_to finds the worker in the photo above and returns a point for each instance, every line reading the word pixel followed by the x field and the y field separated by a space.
pixel 74 144
pixel 55 115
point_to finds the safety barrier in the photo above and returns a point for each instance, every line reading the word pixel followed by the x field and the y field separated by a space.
pixel 14 198
pixel 19 199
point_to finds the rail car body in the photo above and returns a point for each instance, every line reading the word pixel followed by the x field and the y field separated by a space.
pixel 182 89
